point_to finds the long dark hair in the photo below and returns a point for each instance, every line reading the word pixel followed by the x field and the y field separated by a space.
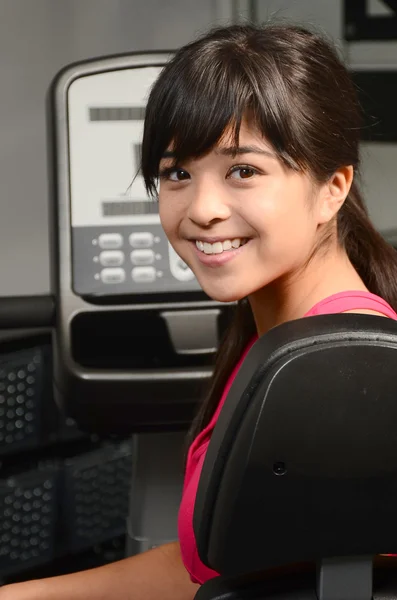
pixel 299 94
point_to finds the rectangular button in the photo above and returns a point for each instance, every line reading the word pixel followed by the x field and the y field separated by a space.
pixel 113 275
pixel 142 257
pixel 110 241
pixel 141 239
pixel 111 258
pixel 143 274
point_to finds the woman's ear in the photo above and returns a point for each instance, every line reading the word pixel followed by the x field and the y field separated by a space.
pixel 333 193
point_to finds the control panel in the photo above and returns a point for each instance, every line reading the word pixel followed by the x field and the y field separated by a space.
pixel 118 244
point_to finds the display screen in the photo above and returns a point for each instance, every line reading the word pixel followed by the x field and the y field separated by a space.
pixel 119 208
pixel 117 113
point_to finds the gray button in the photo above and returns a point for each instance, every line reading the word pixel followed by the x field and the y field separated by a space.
pixel 141 239
pixel 111 258
pixel 142 257
pixel 143 274
pixel 113 275
pixel 110 241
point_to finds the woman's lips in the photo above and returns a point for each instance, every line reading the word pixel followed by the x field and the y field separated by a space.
pixel 217 260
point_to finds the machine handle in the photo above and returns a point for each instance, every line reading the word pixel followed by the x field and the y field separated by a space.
pixel 25 312
pixel 202 338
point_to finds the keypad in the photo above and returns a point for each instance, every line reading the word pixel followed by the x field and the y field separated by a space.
pixel 105 261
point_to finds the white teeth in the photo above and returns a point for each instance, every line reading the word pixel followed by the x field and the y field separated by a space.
pixel 219 247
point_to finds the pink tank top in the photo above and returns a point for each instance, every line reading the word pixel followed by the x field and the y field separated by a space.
pixel 199 573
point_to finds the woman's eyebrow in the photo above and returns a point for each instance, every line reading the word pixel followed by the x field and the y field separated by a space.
pixel 251 149
pixel 232 151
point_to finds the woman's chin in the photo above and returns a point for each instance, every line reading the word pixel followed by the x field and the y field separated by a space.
pixel 223 295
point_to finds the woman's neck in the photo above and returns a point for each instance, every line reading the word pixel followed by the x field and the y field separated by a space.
pixel 292 296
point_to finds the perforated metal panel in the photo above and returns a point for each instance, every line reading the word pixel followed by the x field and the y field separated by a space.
pixel 96 499
pixel 28 512
pixel 20 397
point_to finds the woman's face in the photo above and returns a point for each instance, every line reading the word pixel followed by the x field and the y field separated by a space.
pixel 239 221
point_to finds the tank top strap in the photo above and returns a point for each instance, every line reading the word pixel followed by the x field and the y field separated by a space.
pixel 352 300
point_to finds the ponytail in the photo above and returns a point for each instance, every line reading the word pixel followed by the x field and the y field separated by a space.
pixel 374 259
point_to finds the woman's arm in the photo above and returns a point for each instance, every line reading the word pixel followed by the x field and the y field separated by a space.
pixel 158 573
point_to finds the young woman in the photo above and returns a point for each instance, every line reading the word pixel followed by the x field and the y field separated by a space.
pixel 251 144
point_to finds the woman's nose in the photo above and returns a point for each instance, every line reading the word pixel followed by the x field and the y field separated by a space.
pixel 208 205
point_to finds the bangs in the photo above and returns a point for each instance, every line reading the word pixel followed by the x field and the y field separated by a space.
pixel 199 97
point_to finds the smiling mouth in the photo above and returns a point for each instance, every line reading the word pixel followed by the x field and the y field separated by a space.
pixel 220 247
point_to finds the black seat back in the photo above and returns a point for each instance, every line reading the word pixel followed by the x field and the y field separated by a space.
pixel 302 464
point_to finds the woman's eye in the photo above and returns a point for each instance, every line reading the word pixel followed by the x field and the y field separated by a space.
pixel 243 172
pixel 174 174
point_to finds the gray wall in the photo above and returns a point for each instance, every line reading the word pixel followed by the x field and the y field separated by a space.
pixel 321 13
pixel 37 38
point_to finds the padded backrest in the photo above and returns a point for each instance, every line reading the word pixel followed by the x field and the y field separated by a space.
pixel 302 463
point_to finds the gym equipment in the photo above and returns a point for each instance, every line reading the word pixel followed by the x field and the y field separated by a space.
pixel 299 485
pixel 134 335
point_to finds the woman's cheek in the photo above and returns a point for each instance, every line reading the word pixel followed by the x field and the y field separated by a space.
pixel 165 217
